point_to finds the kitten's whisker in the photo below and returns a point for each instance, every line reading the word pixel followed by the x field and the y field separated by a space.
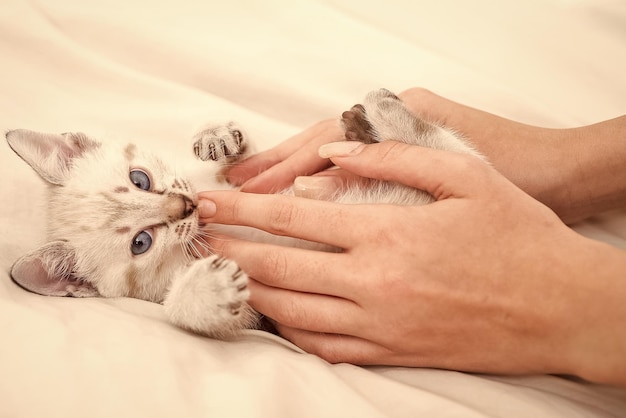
pixel 188 250
pixel 201 246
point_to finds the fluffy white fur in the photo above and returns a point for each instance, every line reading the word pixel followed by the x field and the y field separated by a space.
pixel 110 235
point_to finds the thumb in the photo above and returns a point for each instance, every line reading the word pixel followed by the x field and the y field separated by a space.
pixel 442 174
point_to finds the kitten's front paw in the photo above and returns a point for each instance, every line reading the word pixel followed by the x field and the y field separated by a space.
pixel 232 284
pixel 220 143
pixel 210 298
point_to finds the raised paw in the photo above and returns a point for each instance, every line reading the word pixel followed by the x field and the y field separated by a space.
pixel 210 298
pixel 220 143
pixel 234 284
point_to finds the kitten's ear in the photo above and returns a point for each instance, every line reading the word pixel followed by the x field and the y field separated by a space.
pixel 50 271
pixel 50 155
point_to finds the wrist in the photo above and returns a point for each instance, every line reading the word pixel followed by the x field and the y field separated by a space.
pixel 593 313
pixel 594 178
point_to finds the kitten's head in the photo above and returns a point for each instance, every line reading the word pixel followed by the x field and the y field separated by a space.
pixel 121 223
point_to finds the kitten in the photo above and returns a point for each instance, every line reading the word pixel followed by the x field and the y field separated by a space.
pixel 122 222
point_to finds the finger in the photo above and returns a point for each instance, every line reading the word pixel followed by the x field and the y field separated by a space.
pixel 470 122
pixel 252 166
pixel 308 311
pixel 432 107
pixel 336 348
pixel 326 184
pixel 443 174
pixel 290 268
pixel 296 156
pixel 282 174
pixel 317 187
pixel 319 221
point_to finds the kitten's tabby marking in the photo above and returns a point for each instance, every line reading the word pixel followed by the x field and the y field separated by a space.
pixel 123 223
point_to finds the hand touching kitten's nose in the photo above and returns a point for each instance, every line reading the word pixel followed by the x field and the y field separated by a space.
pixel 483 279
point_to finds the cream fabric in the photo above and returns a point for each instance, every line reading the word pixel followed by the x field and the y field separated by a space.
pixel 155 70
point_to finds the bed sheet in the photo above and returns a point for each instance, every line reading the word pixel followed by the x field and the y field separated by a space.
pixel 156 70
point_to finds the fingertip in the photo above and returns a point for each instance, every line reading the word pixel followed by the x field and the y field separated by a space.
pixel 206 208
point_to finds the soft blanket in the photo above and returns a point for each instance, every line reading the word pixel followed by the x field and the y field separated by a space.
pixel 155 70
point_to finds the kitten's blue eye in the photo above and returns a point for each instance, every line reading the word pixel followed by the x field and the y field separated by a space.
pixel 141 243
pixel 140 179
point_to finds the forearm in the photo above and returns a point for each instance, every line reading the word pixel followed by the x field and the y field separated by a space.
pixel 592 164
pixel 576 172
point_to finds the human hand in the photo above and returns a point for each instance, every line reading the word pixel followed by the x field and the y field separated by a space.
pixel 277 168
pixel 511 147
pixel 484 279
pixel 576 172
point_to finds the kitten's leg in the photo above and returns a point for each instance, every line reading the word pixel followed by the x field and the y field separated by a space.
pixel 383 116
pixel 210 298
pixel 221 143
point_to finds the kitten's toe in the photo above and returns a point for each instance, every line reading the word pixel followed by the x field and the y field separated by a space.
pixel 232 283
pixel 220 143
pixel 356 125
pixel 235 309
pixel 211 298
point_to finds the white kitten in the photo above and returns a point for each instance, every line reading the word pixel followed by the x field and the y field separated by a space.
pixel 124 223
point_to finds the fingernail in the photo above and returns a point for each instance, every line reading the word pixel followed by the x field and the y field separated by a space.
pixel 206 208
pixel 316 187
pixel 340 149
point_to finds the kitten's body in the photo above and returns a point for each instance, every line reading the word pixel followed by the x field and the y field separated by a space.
pixel 123 223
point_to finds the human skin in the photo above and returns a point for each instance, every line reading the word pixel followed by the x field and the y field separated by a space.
pixel 485 279
pixel 577 172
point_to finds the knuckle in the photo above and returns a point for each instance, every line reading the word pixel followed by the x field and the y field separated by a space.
pixel 416 93
pixel 469 164
pixel 325 125
pixel 275 264
pixel 231 208
pixel 292 315
pixel 390 152
pixel 282 218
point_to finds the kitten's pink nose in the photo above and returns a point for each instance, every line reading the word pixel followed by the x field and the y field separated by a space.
pixel 178 207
